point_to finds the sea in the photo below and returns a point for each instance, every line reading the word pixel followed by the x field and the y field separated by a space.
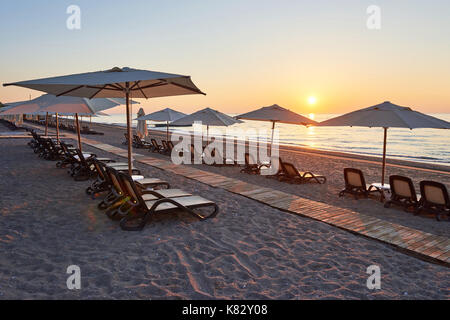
pixel 419 145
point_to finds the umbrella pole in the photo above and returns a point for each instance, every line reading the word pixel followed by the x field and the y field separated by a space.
pixel 384 156
pixel 46 124
pixel 167 131
pixel 273 130
pixel 127 96
pixel 207 134
pixel 57 128
pixel 78 132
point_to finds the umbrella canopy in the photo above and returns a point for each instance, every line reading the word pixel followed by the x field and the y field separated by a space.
pixel 71 114
pixel 387 115
pixel 275 114
pixel 112 84
pixel 167 115
pixel 66 105
pixel 208 117
pixel 116 83
pixel 164 115
pixel 141 129
pixel 48 103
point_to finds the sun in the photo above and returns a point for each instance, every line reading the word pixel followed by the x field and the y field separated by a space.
pixel 312 100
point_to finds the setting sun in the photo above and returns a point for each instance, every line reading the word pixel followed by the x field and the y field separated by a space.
pixel 312 100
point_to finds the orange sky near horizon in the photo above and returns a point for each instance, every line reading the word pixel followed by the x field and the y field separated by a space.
pixel 244 54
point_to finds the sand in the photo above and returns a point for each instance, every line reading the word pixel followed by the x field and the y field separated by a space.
pixel 250 251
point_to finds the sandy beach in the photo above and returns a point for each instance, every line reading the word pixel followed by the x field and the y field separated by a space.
pixel 249 251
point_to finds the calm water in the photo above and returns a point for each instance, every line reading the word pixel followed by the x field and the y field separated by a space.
pixel 422 145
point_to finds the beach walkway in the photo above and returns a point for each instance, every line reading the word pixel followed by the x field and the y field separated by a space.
pixel 421 244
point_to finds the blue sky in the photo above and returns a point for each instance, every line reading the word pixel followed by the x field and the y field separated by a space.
pixel 243 54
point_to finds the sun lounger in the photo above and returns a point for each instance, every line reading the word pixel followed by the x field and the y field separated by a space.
pixel 125 142
pixel 141 144
pixel 434 199
pixel 292 175
pixel 277 175
pixel 102 182
pixel 50 151
pixel 87 130
pixel 355 184
pixel 166 147
pixel 224 161
pixel 141 211
pixel 251 166
pixel 116 193
pixel 84 169
pixel 68 157
pixel 157 147
pixel 403 193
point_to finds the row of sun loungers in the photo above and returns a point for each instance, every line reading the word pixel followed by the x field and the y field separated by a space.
pixel 286 172
pixel 167 147
pixel 68 127
pixel 131 199
pixel 433 197
pixel 11 125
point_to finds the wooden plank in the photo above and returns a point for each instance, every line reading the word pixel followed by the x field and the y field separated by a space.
pixel 445 257
pixel 419 241
pixel 257 190
pixel 336 217
pixel 433 245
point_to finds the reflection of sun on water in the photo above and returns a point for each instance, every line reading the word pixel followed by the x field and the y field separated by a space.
pixel 312 116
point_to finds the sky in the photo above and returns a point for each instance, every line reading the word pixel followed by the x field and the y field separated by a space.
pixel 243 54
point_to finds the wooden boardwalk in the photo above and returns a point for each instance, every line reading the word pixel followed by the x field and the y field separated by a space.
pixel 422 244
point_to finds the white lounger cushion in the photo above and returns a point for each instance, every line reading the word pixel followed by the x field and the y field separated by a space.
pixel 123 168
pixel 149 181
pixel 85 155
pixel 184 201
pixel 117 164
pixel 168 193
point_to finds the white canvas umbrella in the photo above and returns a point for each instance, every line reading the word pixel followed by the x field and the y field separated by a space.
pixel 168 115
pixel 275 114
pixel 141 128
pixel 208 117
pixel 48 103
pixel 387 115
pixel 116 83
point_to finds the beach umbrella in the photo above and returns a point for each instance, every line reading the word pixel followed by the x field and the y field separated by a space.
pixel 168 115
pixel 386 115
pixel 116 83
pixel 275 114
pixel 141 128
pixel 208 117
pixel 61 105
